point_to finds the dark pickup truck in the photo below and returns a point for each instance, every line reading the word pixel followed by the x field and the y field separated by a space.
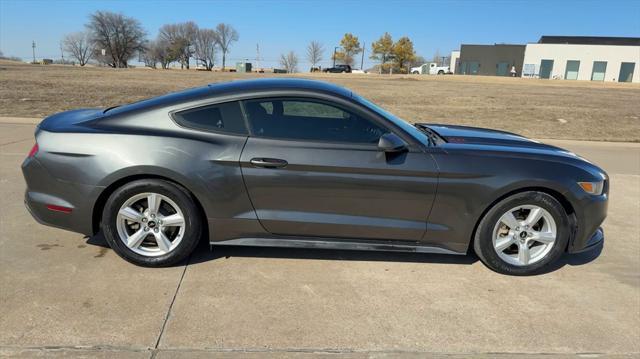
pixel 338 69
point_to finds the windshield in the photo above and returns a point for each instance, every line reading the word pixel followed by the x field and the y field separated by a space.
pixel 406 126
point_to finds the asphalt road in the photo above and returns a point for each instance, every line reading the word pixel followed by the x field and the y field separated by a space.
pixel 65 295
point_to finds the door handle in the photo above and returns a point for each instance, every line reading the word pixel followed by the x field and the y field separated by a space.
pixel 268 162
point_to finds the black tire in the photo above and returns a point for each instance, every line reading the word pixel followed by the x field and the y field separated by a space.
pixel 415 73
pixel 440 72
pixel 483 242
pixel 192 217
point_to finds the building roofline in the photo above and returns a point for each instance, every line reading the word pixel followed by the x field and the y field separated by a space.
pixel 589 40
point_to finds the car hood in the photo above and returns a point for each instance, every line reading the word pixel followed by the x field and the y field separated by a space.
pixel 481 139
pixel 464 135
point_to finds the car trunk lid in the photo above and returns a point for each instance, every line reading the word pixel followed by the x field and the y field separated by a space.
pixel 72 121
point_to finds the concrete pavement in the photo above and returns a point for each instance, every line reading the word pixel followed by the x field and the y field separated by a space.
pixel 64 295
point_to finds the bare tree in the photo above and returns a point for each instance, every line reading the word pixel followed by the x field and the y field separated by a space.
pixel 417 61
pixel 226 35
pixel 148 55
pixel 314 53
pixel 437 58
pixel 118 35
pixel 79 46
pixel 206 45
pixel 163 55
pixel 289 62
pixel 181 38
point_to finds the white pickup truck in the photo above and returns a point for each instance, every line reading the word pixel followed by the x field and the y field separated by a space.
pixel 430 68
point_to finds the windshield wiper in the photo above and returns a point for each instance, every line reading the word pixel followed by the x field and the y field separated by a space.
pixel 110 108
pixel 431 135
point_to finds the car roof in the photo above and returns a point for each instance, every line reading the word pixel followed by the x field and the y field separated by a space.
pixel 279 84
pixel 230 88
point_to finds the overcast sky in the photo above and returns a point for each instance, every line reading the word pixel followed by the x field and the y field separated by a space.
pixel 281 26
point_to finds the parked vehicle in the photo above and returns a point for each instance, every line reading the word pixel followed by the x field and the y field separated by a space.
pixel 298 163
pixel 338 69
pixel 430 68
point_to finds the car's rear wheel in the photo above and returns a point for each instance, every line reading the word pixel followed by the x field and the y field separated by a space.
pixel 151 223
pixel 523 234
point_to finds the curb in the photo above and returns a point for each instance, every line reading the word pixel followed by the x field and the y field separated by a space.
pixel 20 120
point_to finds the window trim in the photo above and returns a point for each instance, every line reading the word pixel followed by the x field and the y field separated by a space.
pixel 350 109
pixel 176 112
pixel 341 101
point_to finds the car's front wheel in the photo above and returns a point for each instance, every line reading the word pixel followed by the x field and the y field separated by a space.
pixel 523 234
pixel 151 223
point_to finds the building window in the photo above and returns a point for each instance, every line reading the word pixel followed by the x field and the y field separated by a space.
pixel 626 71
pixel 599 69
pixel 473 68
pixel 571 72
pixel 502 68
pixel 546 66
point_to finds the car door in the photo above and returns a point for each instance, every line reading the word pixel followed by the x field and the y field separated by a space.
pixel 313 168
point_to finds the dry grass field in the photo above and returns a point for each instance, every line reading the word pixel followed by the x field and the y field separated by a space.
pixel 534 108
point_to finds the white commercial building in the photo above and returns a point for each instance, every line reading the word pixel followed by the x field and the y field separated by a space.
pixel 583 58
pixel 454 60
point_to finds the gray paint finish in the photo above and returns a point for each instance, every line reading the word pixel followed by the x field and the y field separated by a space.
pixel 431 195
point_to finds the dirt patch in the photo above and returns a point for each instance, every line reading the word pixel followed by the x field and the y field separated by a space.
pixel 536 108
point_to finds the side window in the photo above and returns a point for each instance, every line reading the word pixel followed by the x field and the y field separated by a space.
pixel 225 117
pixel 306 119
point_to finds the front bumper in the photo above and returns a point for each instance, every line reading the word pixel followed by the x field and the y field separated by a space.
pixel 596 239
pixel 591 211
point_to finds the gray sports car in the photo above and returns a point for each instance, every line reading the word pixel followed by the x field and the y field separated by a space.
pixel 298 163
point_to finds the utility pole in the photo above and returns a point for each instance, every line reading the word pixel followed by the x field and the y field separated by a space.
pixel 364 48
pixel 334 55
pixel 61 52
pixel 33 47
pixel 257 57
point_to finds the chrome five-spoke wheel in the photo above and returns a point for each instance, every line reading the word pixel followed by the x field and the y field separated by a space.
pixel 524 235
pixel 150 224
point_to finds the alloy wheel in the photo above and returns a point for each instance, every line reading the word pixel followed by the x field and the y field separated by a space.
pixel 150 224
pixel 524 235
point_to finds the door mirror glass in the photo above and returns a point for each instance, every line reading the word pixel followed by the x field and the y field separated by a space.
pixel 390 142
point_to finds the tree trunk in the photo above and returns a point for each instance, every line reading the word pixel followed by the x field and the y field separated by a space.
pixel 223 60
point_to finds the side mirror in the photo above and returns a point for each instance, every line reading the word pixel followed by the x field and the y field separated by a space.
pixel 390 142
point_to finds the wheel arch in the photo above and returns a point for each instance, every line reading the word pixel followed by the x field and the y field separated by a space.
pixel 564 201
pixel 98 207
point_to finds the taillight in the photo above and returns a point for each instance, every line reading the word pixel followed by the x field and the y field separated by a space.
pixel 33 151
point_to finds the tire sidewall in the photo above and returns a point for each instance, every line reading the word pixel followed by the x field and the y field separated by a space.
pixel 483 241
pixel 182 199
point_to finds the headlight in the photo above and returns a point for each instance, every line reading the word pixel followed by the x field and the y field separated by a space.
pixel 592 187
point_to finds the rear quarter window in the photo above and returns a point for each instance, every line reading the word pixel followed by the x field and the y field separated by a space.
pixel 224 118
